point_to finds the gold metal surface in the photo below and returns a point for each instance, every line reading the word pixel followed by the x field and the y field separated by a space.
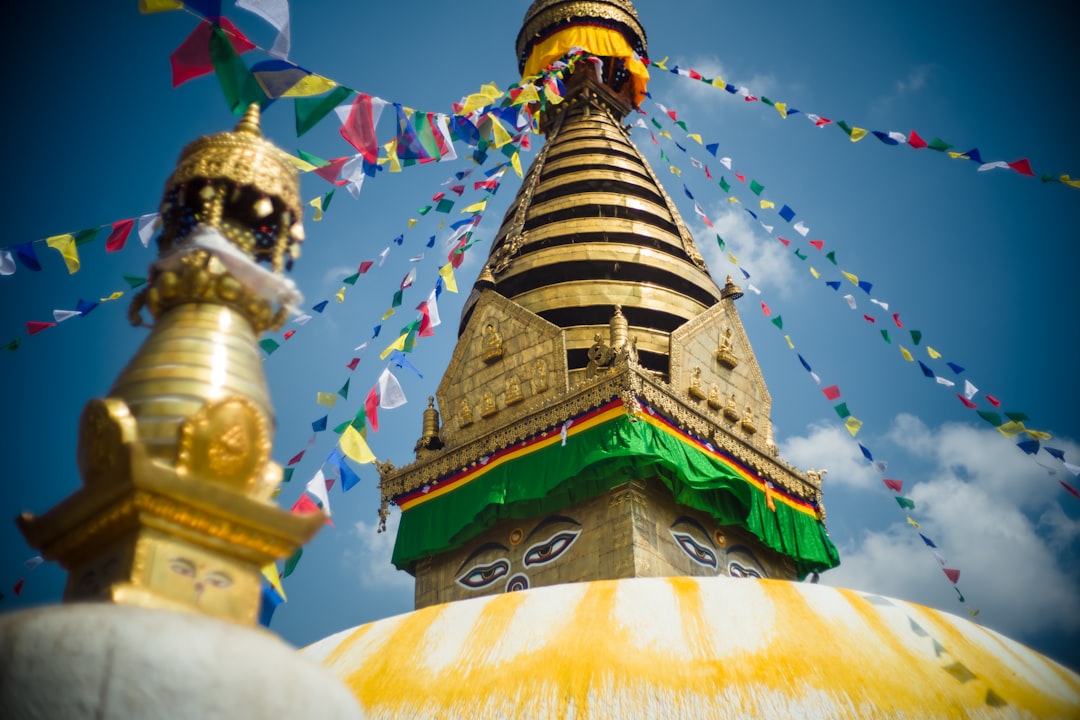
pixel 628 294
pixel 175 510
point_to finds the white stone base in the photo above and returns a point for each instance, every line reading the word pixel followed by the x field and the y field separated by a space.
pixel 93 660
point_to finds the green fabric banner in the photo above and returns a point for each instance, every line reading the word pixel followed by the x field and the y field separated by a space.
pixel 592 461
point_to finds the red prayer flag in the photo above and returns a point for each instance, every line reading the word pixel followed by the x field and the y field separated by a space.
pixel 119 235
pixel 331 171
pixel 896 319
pixel 289 334
pixel 1022 166
pixel 741 178
pixel 426 330
pixel 822 122
pixel 365 266
pixel 438 196
pixel 832 392
pixel 818 243
pixel 765 309
pixel 359 128
pixel 915 141
pixel 297 457
pixel 1070 488
pixel 967 403
pixel 457 189
pixel 34 327
pixel 787 243
pixel 192 58
pixel 993 400
pixel 869 319
pixel 894 485
pixel 353 363
pixel 952 574
pixel 304 506
pixel 17 589
pixel 371 408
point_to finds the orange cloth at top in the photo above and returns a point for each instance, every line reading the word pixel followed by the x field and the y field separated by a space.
pixel 601 41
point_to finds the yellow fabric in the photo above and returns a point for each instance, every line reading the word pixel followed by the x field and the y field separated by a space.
pixel 1069 181
pixel 814 272
pixel 851 276
pixel 932 352
pixel 1011 429
pixel 766 204
pixel 65 245
pixel 789 343
pixel 853 424
pixel 317 204
pixel 912 523
pixel 858 134
pixel 388 313
pixel 327 399
pixel 695 137
pixel 782 109
pixel 301 165
pixel 412 221
pixel 398 344
pixel 340 294
pixel 155 6
pixel 311 85
pixel 515 162
pixel 270 572
pixel 476 207
pixel 115 296
pixel 604 42
pixel 488 94
pixel 447 274
pixel 675 170
pixel 355 447
pixel 498 133
pixel 528 94
pixel 907 354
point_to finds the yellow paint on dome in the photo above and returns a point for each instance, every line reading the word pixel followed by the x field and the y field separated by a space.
pixel 692 647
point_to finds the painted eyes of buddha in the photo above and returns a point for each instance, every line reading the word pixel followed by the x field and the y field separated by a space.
pixel 480 576
pixel 550 549
pixel 697 552
pixel 491 561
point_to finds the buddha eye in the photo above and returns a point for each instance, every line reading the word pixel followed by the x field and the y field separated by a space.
pixel 697 552
pixel 551 548
pixel 737 570
pixel 182 566
pixel 479 576
pixel 218 579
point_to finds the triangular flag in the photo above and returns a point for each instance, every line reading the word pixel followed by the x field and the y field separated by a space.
pixel 390 393
pixel 355 447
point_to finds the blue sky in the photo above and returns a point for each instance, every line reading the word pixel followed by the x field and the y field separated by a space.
pixel 981 263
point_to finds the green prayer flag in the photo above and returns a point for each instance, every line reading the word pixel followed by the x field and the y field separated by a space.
pixel 831 255
pixel 682 124
pixel 414 325
pixel 767 101
pixel 916 336
pixel 444 206
pixel 313 159
pixel 720 242
pixel 778 322
pixel 237 83
pixel 13 345
pixel 327 198
pixel 84 236
pixel 799 254
pixel 290 564
pixel 756 187
pixel 905 502
pixel 397 299
pixel 269 345
pixel 885 335
pixel 286 474
pixel 310 110
pixel 990 416
pixel 351 280
pixel 134 281
pixel 842 410
pixel 658 125
pixel 1049 178
pixel 339 429
pixel 1017 417
pixel 424 210
pixel 410 339
pixel 844 126
pixel 724 185
pixel 509 149
pixel 939 145
pixel 344 391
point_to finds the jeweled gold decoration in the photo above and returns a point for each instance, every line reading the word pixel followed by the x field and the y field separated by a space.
pixel 175 508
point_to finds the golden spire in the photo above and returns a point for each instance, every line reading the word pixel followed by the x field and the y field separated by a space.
pixel 175 509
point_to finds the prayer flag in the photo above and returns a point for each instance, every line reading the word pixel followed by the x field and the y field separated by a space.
pixel 371 406
pixel 327 399
pixel 65 245
pixel 853 424
pixel 894 485
pixel 905 502
pixel 832 392
pixel 354 446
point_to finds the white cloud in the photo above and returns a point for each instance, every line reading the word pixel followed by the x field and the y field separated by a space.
pixel 992 513
pixel 915 80
pixel 830 447
pixel 371 559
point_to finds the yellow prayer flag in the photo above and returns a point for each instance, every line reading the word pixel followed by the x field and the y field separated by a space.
pixel 782 109
pixel 388 313
pixel 498 132
pixel 907 355
pixel 270 572
pixel 317 204
pixel 65 245
pixel 850 276
pixel 814 272
pixel 528 94
pixel 398 344
pixel 853 424
pixel 675 170
pixel 718 82
pixel 310 85
pixel 515 162
pixel 476 207
pixel 301 165
pixel 912 523
pixel 412 221
pixel 660 63
pixel 340 294
pixel 932 352
pixel 1011 429
pixel 734 200
pixel 766 204
pixel 395 162
pixel 1069 181
pixel 446 272
pixel 790 344
pixel 665 133
pixel 355 447
pixel 858 134
pixel 154 6
pixel 732 259
pixel 958 156
pixel 1038 434
pixel 327 399
pixel 115 296
pixel 695 137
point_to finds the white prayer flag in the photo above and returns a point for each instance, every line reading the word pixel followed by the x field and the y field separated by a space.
pixel 850 300
pixel 969 389
pixel 275 12
pixel 390 393
pixel 801 228
pixel 62 315
pixel 317 487
pixel 7 263
pixel 148 225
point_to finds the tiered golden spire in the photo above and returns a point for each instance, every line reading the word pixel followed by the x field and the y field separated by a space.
pixel 175 509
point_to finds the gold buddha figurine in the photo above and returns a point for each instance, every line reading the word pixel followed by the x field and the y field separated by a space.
pixel 725 351
pixel 714 397
pixel 540 377
pixel 465 416
pixel 747 421
pixel 493 344
pixel 513 391
pixel 731 412
pixel 487 405
pixel 695 391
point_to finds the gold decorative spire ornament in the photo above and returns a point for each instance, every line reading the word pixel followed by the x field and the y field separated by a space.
pixel 175 510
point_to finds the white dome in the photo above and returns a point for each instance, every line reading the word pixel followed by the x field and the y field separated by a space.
pixel 692 648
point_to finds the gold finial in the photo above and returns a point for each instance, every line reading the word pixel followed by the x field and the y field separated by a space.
pixel 175 510
pixel 731 291
pixel 249 124
pixel 619 329
pixel 430 438
pixel 486 279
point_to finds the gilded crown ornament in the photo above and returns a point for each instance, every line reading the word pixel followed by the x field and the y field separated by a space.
pixel 176 510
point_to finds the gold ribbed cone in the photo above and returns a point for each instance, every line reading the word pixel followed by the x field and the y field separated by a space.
pixel 592 228
pixel 196 353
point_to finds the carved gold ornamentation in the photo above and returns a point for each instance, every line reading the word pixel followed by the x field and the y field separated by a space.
pixel 493 344
pixel 747 421
pixel 465 416
pixel 487 404
pixel 731 411
pixel 725 352
pixel 105 429
pixel 513 391
pixel 694 390
pixel 816 476
pixel 540 376
pixel 226 442
pixel 714 397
